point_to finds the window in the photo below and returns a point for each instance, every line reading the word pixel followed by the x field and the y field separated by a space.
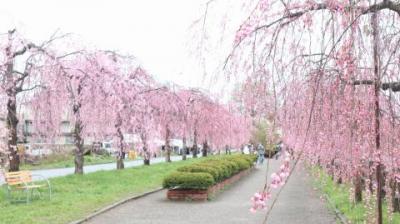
pixel 28 127
pixel 65 127
pixel 69 140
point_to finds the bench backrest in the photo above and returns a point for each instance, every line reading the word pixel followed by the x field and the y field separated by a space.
pixel 17 178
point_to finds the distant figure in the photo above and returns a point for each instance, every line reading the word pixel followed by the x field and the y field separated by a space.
pixel 251 149
pixel 246 149
pixel 227 150
pixel 261 153
pixel 278 150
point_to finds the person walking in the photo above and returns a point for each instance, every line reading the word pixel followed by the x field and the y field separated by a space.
pixel 251 149
pixel 260 153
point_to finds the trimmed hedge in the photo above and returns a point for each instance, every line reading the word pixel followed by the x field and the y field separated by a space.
pixel 206 173
pixel 198 168
pixel 250 158
pixel 188 180
pixel 241 163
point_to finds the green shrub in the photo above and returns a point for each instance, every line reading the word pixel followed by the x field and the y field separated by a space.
pixel 224 165
pixel 223 170
pixel 203 168
pixel 206 173
pixel 234 167
pixel 186 180
pixel 241 163
pixel 253 157
pixel 250 159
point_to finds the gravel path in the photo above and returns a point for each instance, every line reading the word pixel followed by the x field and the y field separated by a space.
pixel 298 203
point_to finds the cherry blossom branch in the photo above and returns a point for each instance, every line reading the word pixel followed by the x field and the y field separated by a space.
pixel 289 17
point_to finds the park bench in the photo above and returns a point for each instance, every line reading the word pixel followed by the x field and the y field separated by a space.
pixel 21 187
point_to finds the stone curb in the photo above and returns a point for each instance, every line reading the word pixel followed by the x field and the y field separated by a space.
pixel 338 214
pixel 116 204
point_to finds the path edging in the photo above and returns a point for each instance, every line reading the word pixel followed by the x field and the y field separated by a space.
pixel 338 213
pixel 116 204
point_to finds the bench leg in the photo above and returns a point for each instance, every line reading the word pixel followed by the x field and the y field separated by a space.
pixel 49 193
pixel 36 191
pixel 8 194
pixel 28 194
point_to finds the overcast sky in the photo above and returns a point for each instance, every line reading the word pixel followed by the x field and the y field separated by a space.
pixel 155 31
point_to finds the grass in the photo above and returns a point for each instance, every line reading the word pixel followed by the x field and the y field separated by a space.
pixel 66 160
pixel 76 196
pixel 339 196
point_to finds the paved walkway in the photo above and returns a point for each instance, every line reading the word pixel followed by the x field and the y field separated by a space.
pixel 298 203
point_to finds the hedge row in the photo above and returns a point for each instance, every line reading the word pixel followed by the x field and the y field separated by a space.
pixel 206 173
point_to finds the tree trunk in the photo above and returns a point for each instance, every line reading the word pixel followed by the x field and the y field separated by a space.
pixel 168 154
pixel 146 160
pixel 205 149
pixel 120 163
pixel 195 144
pixel 331 169
pixel 79 151
pixel 395 188
pixel 12 120
pixel 338 173
pixel 79 159
pixel 121 145
pixel 146 153
pixel 184 148
pixel 120 160
pixel 357 188
pixel 377 116
pixel 167 146
pixel 370 175
pixel 339 179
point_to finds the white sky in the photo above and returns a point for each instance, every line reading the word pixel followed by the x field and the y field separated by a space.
pixel 155 31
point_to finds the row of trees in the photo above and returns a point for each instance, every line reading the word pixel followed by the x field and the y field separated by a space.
pixel 329 71
pixel 103 94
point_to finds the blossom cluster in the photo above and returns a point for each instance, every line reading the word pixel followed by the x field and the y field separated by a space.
pixel 278 179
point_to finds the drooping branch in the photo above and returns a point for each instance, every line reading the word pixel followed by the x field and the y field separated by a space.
pixel 289 17
pixel 393 6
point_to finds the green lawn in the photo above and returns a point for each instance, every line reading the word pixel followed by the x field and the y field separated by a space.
pixel 76 196
pixel 63 161
pixel 339 196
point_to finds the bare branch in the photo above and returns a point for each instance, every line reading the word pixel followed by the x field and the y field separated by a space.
pixel 394 86
pixel 19 90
